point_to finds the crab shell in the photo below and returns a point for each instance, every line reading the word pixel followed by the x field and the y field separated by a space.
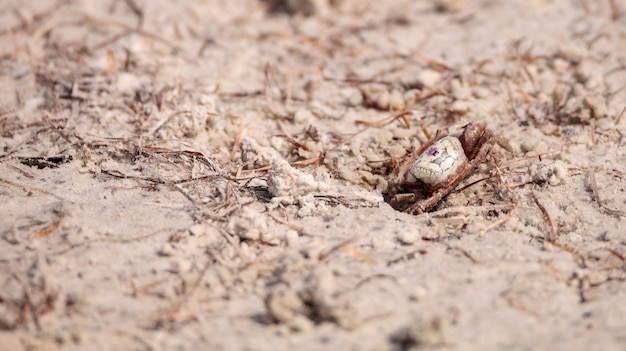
pixel 440 165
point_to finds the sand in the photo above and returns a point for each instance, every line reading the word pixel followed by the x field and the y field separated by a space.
pixel 211 175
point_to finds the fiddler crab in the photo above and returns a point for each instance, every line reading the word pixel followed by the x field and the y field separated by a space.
pixel 439 166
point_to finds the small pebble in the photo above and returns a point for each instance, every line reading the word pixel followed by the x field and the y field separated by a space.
pixel 181 266
pixel 166 250
pixel 197 229
pixel 409 237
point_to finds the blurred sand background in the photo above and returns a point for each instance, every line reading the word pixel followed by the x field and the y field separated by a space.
pixel 180 175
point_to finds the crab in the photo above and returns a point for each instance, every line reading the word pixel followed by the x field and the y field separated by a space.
pixel 439 166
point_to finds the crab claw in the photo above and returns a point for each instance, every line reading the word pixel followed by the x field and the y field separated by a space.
pixel 470 137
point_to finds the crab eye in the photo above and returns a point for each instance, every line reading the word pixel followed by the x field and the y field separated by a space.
pixel 433 151
pixel 441 161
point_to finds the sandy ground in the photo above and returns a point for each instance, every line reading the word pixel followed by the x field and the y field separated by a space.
pixel 210 175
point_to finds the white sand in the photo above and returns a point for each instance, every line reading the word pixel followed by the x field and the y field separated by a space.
pixel 228 162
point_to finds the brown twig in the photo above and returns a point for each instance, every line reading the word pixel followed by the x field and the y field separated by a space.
pixel 371 278
pixel 447 211
pixel 500 221
pixel 552 235
pixel 386 121
pixel 307 162
pixel 38 17
pixel 136 9
pixel 620 116
pixel 126 28
pixel 108 240
pixel 136 290
pixel 463 252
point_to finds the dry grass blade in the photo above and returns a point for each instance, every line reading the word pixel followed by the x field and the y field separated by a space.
pixel 358 254
pixel 387 121
pixel 329 252
pixel 28 188
pixel 47 230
